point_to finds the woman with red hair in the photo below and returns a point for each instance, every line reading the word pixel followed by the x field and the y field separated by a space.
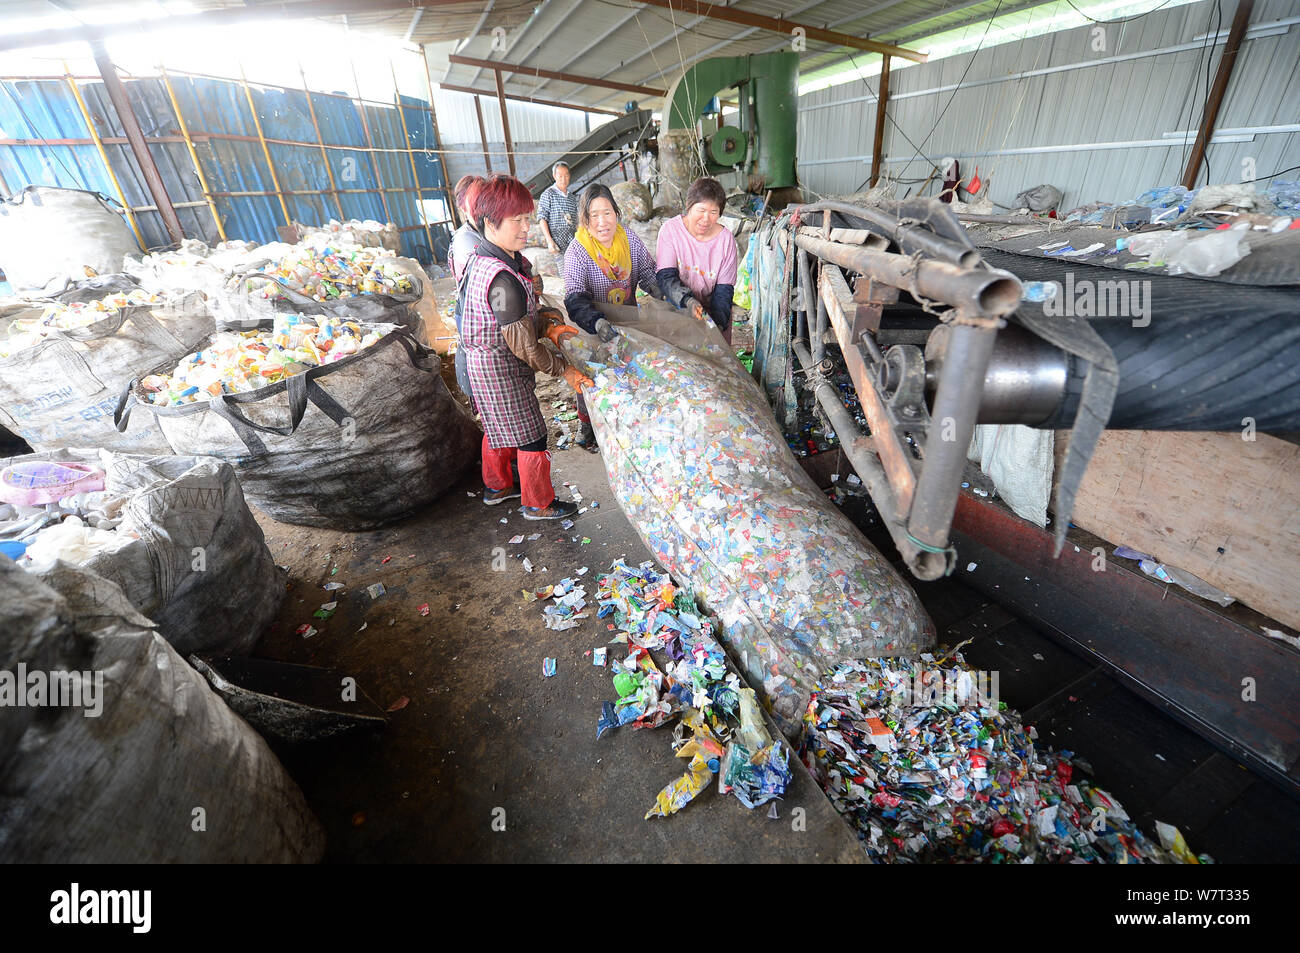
pixel 466 237
pixel 458 256
pixel 499 334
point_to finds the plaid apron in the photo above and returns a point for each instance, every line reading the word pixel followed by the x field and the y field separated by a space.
pixel 504 387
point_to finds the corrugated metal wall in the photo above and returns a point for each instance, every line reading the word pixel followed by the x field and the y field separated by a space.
pixel 47 109
pixel 529 122
pixel 1055 109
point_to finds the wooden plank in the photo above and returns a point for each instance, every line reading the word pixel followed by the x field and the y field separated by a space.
pixel 1220 507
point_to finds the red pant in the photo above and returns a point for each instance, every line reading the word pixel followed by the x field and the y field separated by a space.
pixel 534 473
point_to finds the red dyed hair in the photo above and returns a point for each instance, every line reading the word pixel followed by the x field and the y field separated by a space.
pixel 500 198
pixel 466 189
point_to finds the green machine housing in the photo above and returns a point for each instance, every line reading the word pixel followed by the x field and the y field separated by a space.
pixel 764 144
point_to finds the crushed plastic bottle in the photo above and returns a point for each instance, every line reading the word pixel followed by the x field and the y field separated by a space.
pixel 328 273
pixel 237 362
pixel 23 333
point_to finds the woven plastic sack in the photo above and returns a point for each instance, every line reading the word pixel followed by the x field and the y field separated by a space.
pixel 351 445
pixel 697 462
pixel 192 557
pixel 633 200
pixel 161 772
pixel 50 237
pixel 64 391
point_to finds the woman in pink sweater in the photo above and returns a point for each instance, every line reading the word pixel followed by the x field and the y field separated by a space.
pixel 697 259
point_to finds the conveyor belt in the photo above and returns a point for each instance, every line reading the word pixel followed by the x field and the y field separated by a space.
pixel 592 152
pixel 1211 355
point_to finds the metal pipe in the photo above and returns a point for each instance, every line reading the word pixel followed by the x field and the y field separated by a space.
pixel 505 123
pixel 329 171
pixel 139 148
pixel 415 176
pixel 266 151
pixel 908 237
pixel 482 134
pixel 1025 381
pixel 1004 219
pixel 802 323
pixel 1227 60
pixel 194 155
pixel 956 407
pixel 103 155
pixel 857 446
pixel 882 103
pixel 977 292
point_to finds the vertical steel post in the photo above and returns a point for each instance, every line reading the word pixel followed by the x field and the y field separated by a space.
pixel 139 148
pixel 410 154
pixel 452 211
pixel 882 102
pixel 329 170
pixel 194 155
pixel 266 150
pixel 505 121
pixel 482 134
pixel 370 145
pixel 103 155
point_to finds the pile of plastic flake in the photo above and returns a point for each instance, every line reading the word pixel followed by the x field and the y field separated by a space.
pixel 327 273
pixel 726 731
pixel 237 362
pixel 698 464
pixel 58 316
pixel 929 767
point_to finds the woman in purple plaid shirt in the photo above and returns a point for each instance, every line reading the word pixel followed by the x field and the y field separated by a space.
pixel 604 262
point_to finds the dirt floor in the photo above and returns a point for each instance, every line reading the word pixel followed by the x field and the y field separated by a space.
pixel 481 735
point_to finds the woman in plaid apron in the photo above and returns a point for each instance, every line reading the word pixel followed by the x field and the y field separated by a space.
pixel 503 353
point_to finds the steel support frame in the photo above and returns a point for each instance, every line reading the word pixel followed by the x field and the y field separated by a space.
pixel 921 493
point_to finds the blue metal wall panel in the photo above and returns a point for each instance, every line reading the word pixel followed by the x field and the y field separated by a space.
pixel 46 109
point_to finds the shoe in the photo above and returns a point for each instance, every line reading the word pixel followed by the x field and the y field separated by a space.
pixel 493 497
pixel 587 438
pixel 558 510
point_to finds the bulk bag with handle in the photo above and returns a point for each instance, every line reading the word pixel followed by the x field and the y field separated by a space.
pixel 351 445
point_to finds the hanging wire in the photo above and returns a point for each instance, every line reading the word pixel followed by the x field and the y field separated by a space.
pixel 1137 16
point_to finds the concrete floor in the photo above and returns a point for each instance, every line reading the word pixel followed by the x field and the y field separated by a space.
pixel 484 732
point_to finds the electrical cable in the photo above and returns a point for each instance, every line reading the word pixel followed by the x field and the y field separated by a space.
pixel 1137 16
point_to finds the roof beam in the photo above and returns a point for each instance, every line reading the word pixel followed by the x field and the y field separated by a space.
pixel 521 70
pixel 725 43
pixel 219 17
pixel 948 28
pixel 597 41
pixel 415 21
pixel 528 99
pixel 745 18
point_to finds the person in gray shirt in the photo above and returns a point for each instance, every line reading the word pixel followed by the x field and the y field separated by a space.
pixel 557 210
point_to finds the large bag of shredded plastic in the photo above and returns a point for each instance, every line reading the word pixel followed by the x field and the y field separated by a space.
pixel 352 444
pixel 355 284
pixel 118 751
pixel 64 363
pixel 173 532
pixel 51 236
pixel 700 467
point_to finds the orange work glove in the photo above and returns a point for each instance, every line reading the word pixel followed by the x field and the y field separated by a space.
pixel 537 283
pixel 557 332
pixel 576 379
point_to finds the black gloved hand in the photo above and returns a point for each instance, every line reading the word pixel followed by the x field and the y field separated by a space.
pixel 605 330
